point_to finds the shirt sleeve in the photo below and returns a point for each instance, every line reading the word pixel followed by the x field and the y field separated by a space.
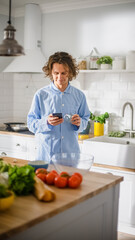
pixel 84 114
pixel 35 123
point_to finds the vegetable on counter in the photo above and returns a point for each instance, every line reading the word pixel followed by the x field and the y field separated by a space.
pixel 4 191
pixel 116 134
pixel 4 167
pixel 101 118
pixel 23 181
pixel 61 180
pixel 42 191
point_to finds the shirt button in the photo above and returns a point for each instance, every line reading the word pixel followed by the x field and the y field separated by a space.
pixel 62 137
pixel 63 105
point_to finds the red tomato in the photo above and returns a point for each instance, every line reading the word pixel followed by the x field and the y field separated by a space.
pixel 50 178
pixel 74 181
pixel 64 174
pixel 42 176
pixel 54 172
pixel 79 175
pixel 60 182
pixel 41 170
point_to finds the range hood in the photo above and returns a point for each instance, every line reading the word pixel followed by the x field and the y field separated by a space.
pixel 34 59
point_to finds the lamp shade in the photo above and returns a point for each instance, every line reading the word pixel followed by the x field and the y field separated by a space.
pixel 10 46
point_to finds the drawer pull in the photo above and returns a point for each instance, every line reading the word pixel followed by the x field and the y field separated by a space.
pixel 3 154
pixel 18 145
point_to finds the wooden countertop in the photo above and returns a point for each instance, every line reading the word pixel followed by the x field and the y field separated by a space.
pixel 28 211
pixel 30 135
pixel 17 134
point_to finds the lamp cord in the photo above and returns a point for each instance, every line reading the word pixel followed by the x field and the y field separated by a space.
pixel 9 21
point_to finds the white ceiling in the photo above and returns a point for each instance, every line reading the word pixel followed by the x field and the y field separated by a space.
pixel 21 3
pixel 55 5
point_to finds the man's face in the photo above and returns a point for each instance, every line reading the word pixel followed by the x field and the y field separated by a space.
pixel 60 75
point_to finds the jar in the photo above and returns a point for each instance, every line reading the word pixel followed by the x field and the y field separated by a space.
pixel 82 64
pixel 118 63
pixel 130 60
pixel 94 56
pixel 98 129
pixel 93 62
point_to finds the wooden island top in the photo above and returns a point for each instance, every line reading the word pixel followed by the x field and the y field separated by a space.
pixel 27 211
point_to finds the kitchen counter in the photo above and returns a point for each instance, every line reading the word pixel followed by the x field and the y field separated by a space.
pixel 29 134
pixel 21 133
pixel 87 212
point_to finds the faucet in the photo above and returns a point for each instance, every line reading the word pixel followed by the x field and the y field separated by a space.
pixel 131 131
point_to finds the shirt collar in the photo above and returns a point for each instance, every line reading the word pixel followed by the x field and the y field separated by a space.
pixel 67 90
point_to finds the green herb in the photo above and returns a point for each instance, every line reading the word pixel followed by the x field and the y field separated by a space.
pixel 101 118
pixel 104 60
pixel 21 179
pixel 116 134
pixel 3 191
pixel 4 167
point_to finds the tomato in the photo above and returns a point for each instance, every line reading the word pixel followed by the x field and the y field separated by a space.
pixel 41 170
pixel 74 181
pixel 50 178
pixel 60 182
pixel 42 176
pixel 54 172
pixel 64 174
pixel 79 175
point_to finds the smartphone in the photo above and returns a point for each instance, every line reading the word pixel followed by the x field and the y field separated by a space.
pixel 57 115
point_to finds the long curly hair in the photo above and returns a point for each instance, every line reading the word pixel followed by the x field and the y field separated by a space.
pixel 62 58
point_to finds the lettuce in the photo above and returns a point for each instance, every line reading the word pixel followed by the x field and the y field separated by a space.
pixel 21 179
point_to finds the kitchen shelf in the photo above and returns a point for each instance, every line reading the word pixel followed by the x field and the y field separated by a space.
pixel 107 71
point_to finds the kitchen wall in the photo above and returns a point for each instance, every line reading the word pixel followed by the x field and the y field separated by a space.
pixel 110 29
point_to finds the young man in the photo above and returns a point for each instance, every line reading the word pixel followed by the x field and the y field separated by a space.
pixel 54 134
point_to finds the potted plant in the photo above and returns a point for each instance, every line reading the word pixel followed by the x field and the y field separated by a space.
pixel 105 62
pixel 99 123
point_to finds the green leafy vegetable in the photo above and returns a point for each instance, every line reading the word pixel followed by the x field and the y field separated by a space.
pixel 116 134
pixel 101 118
pixel 21 179
pixel 3 191
pixel 4 167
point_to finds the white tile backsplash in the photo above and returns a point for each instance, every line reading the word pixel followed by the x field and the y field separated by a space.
pixel 104 92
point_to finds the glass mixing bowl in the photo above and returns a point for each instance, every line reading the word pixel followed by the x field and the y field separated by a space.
pixel 72 162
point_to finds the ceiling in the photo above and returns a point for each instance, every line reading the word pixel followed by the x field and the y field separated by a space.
pixel 21 3
pixel 47 6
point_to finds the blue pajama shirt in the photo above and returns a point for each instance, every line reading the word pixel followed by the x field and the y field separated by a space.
pixel 63 137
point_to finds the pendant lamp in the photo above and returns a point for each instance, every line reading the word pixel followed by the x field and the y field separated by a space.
pixel 10 46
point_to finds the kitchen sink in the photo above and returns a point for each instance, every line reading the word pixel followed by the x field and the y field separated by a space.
pixel 111 150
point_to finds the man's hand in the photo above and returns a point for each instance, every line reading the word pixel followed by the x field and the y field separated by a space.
pixel 54 120
pixel 76 120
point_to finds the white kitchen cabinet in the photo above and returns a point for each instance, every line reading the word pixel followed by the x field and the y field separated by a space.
pixel 31 149
pixel 17 146
pixel 126 220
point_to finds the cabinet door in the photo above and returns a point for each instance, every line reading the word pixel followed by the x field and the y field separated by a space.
pixel 127 195
pixel 31 149
pixel 13 146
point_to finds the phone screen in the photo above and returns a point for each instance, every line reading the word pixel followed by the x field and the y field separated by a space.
pixel 57 115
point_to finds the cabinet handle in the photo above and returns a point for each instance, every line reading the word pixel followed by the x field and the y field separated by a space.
pixel 3 154
pixel 18 144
